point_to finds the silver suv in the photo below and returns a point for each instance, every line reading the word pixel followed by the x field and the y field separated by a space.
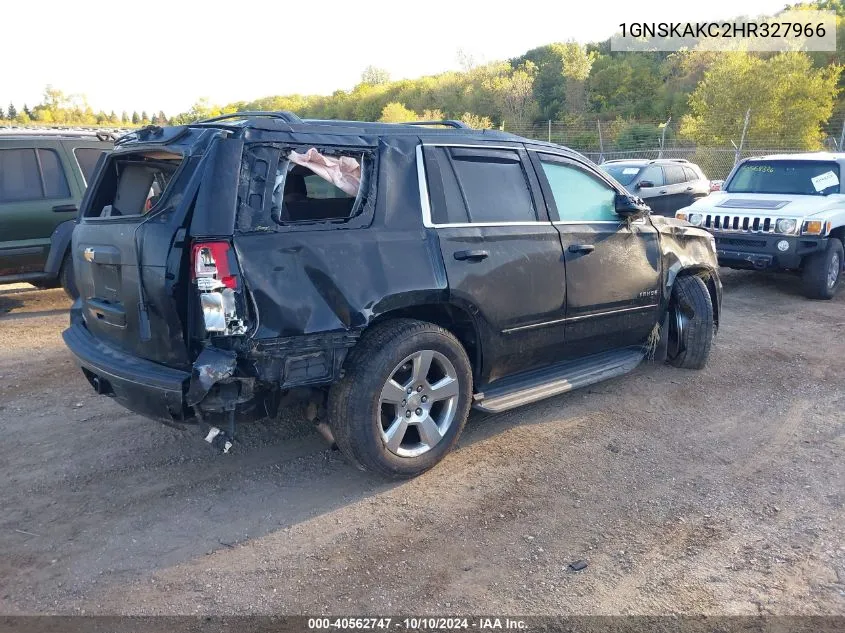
pixel 666 184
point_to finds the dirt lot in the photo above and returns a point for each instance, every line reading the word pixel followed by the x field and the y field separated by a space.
pixel 711 492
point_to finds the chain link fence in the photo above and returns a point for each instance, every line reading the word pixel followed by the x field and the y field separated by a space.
pixel 609 140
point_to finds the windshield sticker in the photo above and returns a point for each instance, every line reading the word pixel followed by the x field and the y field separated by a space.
pixel 825 180
pixel 764 168
pixel 630 170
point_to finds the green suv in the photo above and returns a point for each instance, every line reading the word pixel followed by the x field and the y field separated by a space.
pixel 43 175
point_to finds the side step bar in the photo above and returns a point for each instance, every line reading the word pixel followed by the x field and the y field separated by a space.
pixel 539 384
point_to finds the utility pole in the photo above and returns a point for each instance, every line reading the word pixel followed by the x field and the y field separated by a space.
pixel 663 137
pixel 550 130
pixel 601 142
pixel 841 137
pixel 742 139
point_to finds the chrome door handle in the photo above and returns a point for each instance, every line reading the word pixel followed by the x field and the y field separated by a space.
pixel 581 248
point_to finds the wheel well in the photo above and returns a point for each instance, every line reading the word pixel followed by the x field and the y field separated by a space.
pixel 839 233
pixel 449 317
pixel 707 277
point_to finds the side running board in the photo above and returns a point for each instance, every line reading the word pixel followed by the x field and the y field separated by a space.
pixel 538 384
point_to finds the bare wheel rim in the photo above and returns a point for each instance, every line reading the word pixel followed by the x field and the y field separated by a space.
pixel 418 403
pixel 833 270
pixel 677 325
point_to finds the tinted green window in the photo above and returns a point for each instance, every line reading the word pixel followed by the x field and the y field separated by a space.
pixel 55 183
pixel 580 197
pixel 19 177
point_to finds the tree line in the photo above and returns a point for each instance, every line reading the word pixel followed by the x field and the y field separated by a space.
pixel 793 97
pixel 58 108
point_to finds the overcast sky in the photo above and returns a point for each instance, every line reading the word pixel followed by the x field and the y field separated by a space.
pixel 156 54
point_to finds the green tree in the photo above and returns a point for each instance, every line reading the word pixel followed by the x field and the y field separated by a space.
pixel 135 118
pixel 513 93
pixel 374 76
pixel 13 111
pixel 144 117
pixel 124 117
pixel 397 113
pixel 577 63
pixel 26 110
pixel 2 114
pixel 789 101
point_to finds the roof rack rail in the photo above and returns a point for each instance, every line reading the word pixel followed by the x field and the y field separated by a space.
pixel 622 160
pixel 102 135
pixel 460 125
pixel 284 115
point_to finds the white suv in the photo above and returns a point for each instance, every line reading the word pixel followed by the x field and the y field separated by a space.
pixel 781 212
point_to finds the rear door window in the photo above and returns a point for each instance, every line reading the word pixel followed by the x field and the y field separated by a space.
pixel 674 174
pixel 690 174
pixel 87 158
pixel 20 179
pixel 654 175
pixel 493 185
pixel 55 182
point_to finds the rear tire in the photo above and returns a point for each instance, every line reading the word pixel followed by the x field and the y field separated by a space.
pixel 691 324
pixel 381 427
pixel 66 277
pixel 823 271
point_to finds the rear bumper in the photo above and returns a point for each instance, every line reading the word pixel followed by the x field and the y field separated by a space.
pixel 760 251
pixel 142 386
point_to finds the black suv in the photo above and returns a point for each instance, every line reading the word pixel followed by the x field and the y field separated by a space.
pixel 43 175
pixel 666 184
pixel 389 276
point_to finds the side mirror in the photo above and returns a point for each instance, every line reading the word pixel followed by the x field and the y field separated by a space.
pixel 645 184
pixel 627 205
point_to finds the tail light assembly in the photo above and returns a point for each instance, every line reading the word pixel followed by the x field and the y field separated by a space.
pixel 213 270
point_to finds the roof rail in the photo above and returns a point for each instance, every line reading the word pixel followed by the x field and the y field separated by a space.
pixel 102 135
pixel 622 160
pixel 284 115
pixel 460 125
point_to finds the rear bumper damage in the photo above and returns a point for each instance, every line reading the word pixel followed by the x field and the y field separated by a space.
pixel 142 386
pixel 215 384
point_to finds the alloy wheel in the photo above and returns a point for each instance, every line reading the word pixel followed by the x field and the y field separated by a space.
pixel 418 403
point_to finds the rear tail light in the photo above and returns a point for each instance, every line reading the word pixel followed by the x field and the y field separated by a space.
pixel 211 264
pixel 218 287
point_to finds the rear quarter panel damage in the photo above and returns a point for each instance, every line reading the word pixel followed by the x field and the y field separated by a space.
pixel 315 289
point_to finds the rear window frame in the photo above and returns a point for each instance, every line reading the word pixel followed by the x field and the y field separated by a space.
pixel 164 200
pixel 262 220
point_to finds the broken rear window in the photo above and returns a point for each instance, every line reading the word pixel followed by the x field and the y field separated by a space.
pixel 317 187
pixel 134 184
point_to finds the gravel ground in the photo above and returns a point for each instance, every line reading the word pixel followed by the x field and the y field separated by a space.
pixel 712 492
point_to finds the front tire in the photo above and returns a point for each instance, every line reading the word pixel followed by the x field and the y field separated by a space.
pixel 823 271
pixel 691 324
pixel 403 400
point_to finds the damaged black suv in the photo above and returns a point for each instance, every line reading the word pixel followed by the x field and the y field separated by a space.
pixel 387 277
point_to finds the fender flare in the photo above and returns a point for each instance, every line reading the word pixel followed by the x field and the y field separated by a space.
pixel 59 245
